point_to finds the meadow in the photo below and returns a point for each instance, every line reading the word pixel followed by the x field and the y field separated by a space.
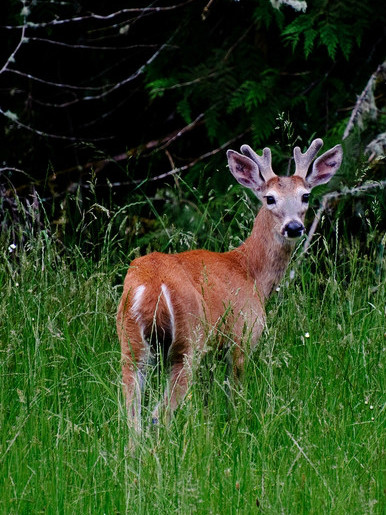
pixel 303 434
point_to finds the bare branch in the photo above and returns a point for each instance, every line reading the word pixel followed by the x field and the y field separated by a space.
pixel 206 9
pixel 77 46
pixel 111 87
pixel 182 131
pixel 243 35
pixel 11 58
pixel 94 16
pixel 133 76
pixel 15 120
pixel 12 169
pixel 190 82
pixel 56 84
pixel 197 160
pixel 150 145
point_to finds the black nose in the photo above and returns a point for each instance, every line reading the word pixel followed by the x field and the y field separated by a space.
pixel 294 229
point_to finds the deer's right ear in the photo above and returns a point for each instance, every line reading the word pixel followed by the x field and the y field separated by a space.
pixel 245 171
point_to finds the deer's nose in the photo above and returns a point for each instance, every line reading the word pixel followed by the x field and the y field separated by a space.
pixel 293 229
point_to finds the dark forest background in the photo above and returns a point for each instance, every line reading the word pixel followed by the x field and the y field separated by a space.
pixel 106 104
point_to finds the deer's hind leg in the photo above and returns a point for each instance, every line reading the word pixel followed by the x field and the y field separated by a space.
pixel 184 354
pixel 178 383
pixel 134 355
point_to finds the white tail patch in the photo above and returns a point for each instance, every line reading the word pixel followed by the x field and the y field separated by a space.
pixel 169 304
pixel 135 308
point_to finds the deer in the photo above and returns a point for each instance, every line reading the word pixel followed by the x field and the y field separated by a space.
pixel 180 302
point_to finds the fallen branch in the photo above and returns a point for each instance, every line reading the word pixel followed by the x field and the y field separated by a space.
pixel 365 106
pixel 333 195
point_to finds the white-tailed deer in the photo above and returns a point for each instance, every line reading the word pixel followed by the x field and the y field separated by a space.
pixel 176 301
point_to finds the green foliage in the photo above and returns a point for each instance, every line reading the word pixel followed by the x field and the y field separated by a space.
pixel 157 87
pixel 252 94
pixel 264 14
pixel 183 108
pixel 333 25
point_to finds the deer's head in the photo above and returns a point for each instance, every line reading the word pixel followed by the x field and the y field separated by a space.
pixel 285 198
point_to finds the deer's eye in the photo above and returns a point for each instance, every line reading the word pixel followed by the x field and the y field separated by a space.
pixel 305 198
pixel 270 200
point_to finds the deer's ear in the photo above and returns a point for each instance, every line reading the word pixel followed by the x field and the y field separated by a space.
pixel 245 171
pixel 325 167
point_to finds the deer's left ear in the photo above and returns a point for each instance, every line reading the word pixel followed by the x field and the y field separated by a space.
pixel 325 166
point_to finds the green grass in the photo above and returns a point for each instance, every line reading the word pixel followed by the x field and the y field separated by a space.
pixel 303 434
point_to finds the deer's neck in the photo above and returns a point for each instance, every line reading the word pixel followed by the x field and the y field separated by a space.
pixel 265 254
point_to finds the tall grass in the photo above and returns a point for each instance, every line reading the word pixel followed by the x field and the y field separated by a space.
pixel 304 432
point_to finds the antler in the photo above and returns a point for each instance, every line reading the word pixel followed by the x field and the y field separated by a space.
pixel 303 161
pixel 264 162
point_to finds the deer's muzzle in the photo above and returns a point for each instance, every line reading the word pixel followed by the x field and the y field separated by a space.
pixel 293 229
